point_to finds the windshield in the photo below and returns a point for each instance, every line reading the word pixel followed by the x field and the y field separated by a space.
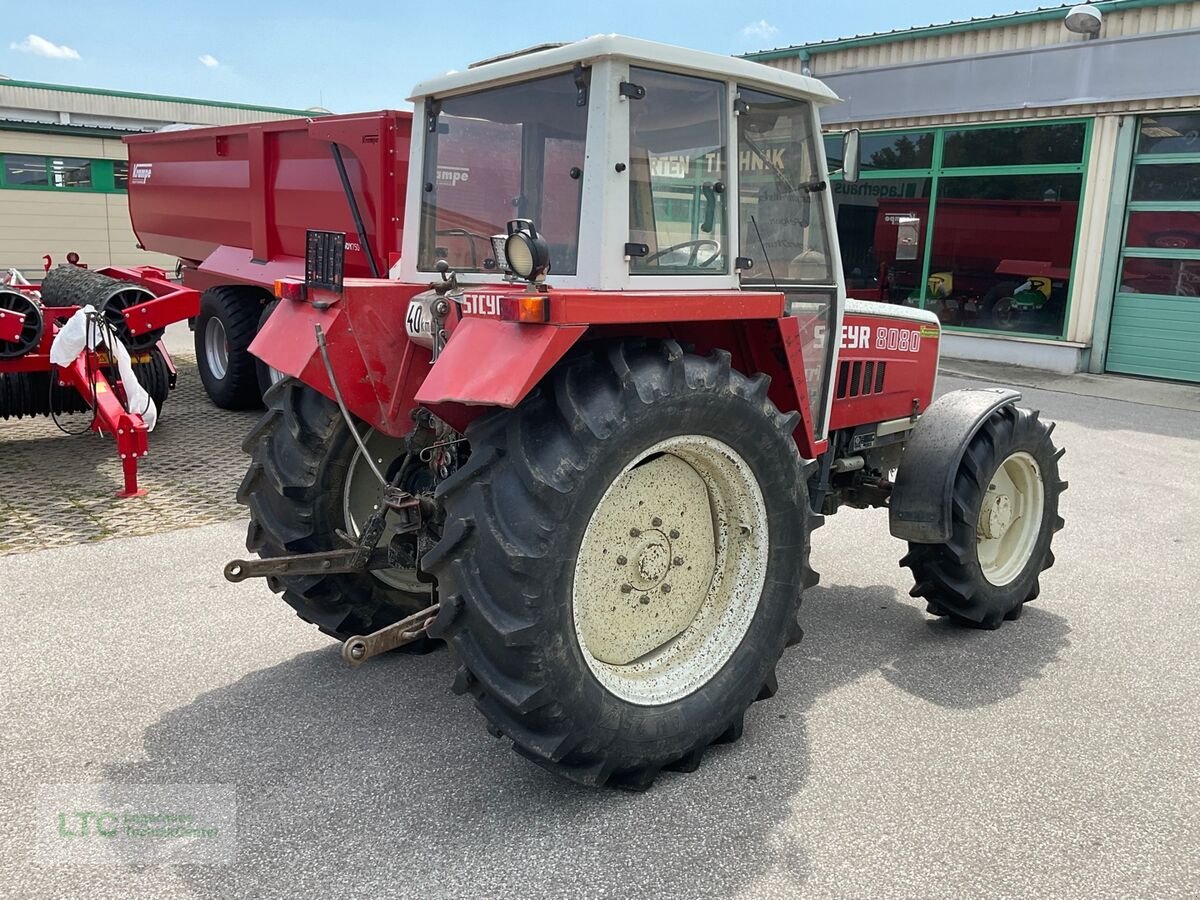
pixel 512 152
pixel 781 211
pixel 677 168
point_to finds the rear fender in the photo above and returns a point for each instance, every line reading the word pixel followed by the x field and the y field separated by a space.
pixel 920 502
pixel 488 362
pixel 378 368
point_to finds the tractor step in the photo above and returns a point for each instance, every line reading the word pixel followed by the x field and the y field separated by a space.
pixel 358 649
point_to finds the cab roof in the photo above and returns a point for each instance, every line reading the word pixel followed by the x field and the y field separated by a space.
pixel 634 50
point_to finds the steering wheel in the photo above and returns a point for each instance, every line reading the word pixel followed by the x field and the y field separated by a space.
pixel 695 245
pixel 472 237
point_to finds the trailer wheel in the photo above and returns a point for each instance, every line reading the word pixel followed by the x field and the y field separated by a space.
pixel 623 561
pixel 227 323
pixel 268 376
pixel 1005 515
pixel 306 482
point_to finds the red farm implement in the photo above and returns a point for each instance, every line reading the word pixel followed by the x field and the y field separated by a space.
pixel 130 306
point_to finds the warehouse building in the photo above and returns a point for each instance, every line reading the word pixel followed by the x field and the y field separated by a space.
pixel 63 170
pixel 1033 178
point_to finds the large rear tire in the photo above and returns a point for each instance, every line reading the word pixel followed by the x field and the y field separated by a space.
pixel 268 376
pixel 306 481
pixel 622 562
pixel 1005 515
pixel 227 323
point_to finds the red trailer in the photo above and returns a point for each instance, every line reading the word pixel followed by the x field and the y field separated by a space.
pixel 234 204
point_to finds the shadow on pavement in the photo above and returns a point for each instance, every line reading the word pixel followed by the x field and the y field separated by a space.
pixel 379 781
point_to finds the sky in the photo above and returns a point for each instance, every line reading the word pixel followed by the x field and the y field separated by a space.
pixel 362 54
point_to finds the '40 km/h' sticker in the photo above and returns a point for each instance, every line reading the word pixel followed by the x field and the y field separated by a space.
pixel 867 337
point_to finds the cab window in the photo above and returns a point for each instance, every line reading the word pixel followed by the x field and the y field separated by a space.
pixel 781 210
pixel 677 169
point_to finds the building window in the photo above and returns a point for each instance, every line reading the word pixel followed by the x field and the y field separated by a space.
pixel 71 173
pixel 976 224
pixel 1002 248
pixel 25 171
pixel 881 230
pixel 1023 145
pixel 62 173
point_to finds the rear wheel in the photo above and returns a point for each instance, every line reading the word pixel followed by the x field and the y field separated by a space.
pixel 227 323
pixel 1005 515
pixel 623 561
pixel 307 480
pixel 268 376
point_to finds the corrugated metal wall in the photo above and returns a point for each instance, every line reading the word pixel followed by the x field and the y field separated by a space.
pixel 990 40
pixel 103 106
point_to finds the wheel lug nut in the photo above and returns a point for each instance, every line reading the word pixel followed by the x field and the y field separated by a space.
pixel 656 521
pixel 621 560
pixel 626 588
pixel 635 532
pixel 674 533
pixel 666 589
pixel 678 560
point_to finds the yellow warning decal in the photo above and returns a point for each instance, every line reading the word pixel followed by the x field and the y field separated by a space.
pixel 101 387
pixel 930 331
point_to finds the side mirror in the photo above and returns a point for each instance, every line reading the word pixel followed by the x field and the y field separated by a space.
pixel 850 159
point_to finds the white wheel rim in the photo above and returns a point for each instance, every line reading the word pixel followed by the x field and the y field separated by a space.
pixel 671 570
pixel 1010 518
pixel 216 348
pixel 361 497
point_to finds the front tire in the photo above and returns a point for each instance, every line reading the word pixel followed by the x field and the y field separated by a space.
pixel 305 483
pixel 1005 515
pixel 624 474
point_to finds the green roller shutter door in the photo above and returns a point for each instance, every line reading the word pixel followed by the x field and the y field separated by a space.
pixel 1155 328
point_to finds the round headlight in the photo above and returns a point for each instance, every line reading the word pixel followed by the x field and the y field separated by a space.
pixel 519 253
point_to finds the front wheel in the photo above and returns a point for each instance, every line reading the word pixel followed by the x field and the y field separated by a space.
pixel 623 560
pixel 1005 515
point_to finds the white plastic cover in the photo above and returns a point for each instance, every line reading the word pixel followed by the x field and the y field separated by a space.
pixel 78 332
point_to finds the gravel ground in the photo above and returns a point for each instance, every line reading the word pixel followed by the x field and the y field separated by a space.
pixel 900 758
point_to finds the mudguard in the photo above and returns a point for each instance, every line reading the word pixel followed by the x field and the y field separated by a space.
pixel 378 368
pixel 488 362
pixel 920 502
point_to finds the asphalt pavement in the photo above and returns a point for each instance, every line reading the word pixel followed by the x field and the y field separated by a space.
pixel 1056 757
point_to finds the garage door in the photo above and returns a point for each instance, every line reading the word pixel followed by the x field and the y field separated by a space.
pixel 1156 314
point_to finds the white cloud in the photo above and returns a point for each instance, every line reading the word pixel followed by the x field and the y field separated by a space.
pixel 39 46
pixel 209 60
pixel 761 30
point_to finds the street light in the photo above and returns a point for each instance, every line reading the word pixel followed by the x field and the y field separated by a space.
pixel 1085 19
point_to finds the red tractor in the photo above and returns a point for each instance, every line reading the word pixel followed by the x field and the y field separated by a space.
pixel 586 433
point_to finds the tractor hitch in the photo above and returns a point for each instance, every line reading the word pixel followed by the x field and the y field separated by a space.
pixel 358 649
pixel 362 555
pixel 330 562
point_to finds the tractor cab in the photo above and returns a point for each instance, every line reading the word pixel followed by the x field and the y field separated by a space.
pixel 616 164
